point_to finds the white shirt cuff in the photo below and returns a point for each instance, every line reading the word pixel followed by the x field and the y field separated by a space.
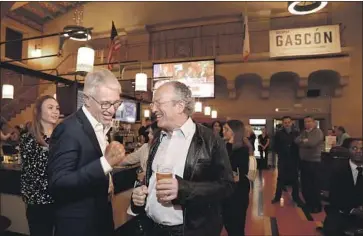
pixel 105 166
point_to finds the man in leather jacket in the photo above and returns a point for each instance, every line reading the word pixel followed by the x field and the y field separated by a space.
pixel 288 163
pixel 190 203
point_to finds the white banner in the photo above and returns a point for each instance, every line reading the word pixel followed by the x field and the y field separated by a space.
pixel 305 41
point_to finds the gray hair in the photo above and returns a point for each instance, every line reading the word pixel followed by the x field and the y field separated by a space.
pixel 183 93
pixel 100 77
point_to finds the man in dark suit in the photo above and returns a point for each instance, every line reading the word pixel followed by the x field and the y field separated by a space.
pixel 81 160
pixel 288 153
pixel 345 211
pixel 188 204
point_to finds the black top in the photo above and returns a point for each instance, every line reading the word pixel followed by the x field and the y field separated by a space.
pixel 34 178
pixel 263 140
pixel 239 159
pixel 252 139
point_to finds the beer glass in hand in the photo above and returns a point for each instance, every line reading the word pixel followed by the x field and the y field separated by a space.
pixel 164 172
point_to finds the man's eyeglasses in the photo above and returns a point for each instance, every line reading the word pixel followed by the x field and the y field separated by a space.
pixel 107 105
pixel 158 104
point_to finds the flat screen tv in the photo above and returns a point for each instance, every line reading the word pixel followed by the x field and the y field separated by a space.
pixel 127 112
pixel 197 75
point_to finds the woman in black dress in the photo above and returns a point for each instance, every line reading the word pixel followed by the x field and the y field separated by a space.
pixel 263 147
pixel 34 178
pixel 235 207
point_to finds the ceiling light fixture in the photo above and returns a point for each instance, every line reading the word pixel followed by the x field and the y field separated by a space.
pixel 198 106
pixel 8 91
pixel 214 114
pixel 79 33
pixel 85 59
pixel 304 8
pixel 207 110
pixel 146 113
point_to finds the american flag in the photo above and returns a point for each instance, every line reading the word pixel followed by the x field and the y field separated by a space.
pixel 115 45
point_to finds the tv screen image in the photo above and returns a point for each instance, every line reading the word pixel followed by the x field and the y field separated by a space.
pixel 127 112
pixel 197 75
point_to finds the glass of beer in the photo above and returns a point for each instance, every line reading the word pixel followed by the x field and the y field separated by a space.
pixel 164 172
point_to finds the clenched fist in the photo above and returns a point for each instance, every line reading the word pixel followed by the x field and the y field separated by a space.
pixel 114 153
pixel 139 195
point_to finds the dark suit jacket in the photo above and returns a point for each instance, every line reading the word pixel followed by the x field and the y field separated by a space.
pixel 342 194
pixel 77 181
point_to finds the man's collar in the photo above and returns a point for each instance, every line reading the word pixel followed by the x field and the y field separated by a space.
pixel 93 121
pixel 186 129
pixel 352 165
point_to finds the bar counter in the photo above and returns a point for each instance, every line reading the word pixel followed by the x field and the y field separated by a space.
pixel 13 207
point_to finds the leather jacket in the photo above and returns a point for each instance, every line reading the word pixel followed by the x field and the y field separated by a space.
pixel 207 181
pixel 284 144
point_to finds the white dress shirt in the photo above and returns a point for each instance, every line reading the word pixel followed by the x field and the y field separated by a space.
pixel 100 132
pixel 354 171
pixel 172 151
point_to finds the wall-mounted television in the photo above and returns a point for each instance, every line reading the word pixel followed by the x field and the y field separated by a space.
pixel 127 112
pixel 197 75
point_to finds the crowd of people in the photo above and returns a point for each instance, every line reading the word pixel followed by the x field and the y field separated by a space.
pixel 66 178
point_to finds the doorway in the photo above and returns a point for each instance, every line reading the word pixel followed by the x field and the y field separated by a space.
pixel 257 125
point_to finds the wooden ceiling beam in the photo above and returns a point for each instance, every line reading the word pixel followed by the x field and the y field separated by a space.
pixel 30 15
pixel 17 5
pixel 59 7
pixel 38 7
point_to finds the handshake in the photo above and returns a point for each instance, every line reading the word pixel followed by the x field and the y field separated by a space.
pixel 115 153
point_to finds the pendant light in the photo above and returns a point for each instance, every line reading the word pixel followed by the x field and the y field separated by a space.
pixel 141 81
pixel 85 59
pixel 207 110
pixel 198 106
pixel 8 91
pixel 146 113
pixel 214 114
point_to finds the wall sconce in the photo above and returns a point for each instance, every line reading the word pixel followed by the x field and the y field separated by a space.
pixel 214 114
pixel 198 107
pixel 146 113
pixel 36 52
pixel 85 59
pixel 207 110
pixel 141 82
pixel 8 91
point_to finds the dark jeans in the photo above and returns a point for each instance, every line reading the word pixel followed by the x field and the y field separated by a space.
pixel 235 210
pixel 40 219
pixel 287 175
pixel 310 183
pixel 336 223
